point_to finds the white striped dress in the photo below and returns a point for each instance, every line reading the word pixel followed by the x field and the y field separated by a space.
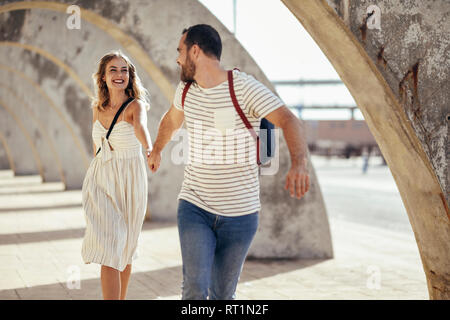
pixel 114 197
pixel 221 175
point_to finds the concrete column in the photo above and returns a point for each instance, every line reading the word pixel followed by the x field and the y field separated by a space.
pixel 393 58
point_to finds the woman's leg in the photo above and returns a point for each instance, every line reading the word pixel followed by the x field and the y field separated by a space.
pixel 110 279
pixel 124 278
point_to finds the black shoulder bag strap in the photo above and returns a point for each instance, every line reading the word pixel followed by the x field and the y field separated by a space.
pixel 115 119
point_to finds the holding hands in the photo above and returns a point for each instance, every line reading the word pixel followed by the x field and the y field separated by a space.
pixel 153 160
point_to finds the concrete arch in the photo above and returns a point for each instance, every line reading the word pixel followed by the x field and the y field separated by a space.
pixel 71 73
pixel 130 45
pixel 115 33
pixel 50 159
pixel 24 164
pixel 61 132
pixel 111 29
pixel 53 59
pixel 7 152
pixel 386 117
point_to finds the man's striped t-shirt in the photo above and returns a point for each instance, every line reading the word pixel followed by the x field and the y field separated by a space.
pixel 221 175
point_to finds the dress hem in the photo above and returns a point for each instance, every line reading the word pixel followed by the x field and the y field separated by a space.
pixel 109 265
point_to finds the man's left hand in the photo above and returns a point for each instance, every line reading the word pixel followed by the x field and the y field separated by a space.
pixel 297 180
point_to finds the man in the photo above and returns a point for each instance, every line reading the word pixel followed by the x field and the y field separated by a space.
pixel 219 199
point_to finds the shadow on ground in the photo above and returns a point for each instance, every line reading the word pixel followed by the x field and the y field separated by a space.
pixel 154 284
pixel 54 235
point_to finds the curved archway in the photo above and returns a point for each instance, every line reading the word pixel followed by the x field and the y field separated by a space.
pixel 53 59
pixel 52 104
pixel 425 203
pixel 24 167
pixel 65 142
pixel 131 45
pixel 71 73
pixel 53 167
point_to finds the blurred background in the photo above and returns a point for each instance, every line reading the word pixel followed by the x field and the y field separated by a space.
pixel 356 183
pixel 301 74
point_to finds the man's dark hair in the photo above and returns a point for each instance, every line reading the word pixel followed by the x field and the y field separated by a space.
pixel 206 37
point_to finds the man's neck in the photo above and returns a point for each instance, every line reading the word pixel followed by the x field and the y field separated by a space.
pixel 210 74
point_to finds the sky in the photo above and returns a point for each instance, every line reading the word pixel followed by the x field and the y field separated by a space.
pixel 285 51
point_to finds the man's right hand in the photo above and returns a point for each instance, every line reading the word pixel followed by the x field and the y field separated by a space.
pixel 154 160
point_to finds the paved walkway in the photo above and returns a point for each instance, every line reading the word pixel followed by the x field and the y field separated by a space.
pixel 41 230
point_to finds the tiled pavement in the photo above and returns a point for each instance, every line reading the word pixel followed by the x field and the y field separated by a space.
pixel 41 229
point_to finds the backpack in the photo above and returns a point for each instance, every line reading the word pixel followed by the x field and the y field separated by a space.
pixel 265 146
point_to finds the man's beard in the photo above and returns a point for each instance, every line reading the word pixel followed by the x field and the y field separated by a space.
pixel 188 71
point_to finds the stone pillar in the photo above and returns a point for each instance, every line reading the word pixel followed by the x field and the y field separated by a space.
pixel 393 58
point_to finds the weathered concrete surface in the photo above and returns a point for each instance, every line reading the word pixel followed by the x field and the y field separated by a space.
pixel 412 52
pixel 291 222
pixel 62 66
pixel 47 111
pixel 397 78
pixel 25 160
pixel 51 165
pixel 4 160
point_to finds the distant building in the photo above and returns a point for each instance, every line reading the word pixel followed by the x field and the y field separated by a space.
pixel 340 137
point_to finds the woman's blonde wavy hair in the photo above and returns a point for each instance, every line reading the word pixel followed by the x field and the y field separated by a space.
pixel 134 88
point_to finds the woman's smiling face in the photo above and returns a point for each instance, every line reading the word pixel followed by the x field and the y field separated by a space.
pixel 116 74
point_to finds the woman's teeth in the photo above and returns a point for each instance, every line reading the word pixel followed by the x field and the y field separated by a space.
pixel 117 81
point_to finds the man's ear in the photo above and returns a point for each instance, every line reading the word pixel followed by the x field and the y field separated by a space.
pixel 195 50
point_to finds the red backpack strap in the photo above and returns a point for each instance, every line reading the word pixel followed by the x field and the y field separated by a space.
pixel 185 90
pixel 241 113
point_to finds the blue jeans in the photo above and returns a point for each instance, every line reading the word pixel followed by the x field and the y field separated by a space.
pixel 213 249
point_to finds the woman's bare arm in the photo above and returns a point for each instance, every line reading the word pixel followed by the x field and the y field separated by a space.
pixel 94 118
pixel 140 124
pixel 170 122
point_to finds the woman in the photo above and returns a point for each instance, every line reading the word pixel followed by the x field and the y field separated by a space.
pixel 114 192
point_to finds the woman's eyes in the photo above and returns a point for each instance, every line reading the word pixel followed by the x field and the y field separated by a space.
pixel 114 70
